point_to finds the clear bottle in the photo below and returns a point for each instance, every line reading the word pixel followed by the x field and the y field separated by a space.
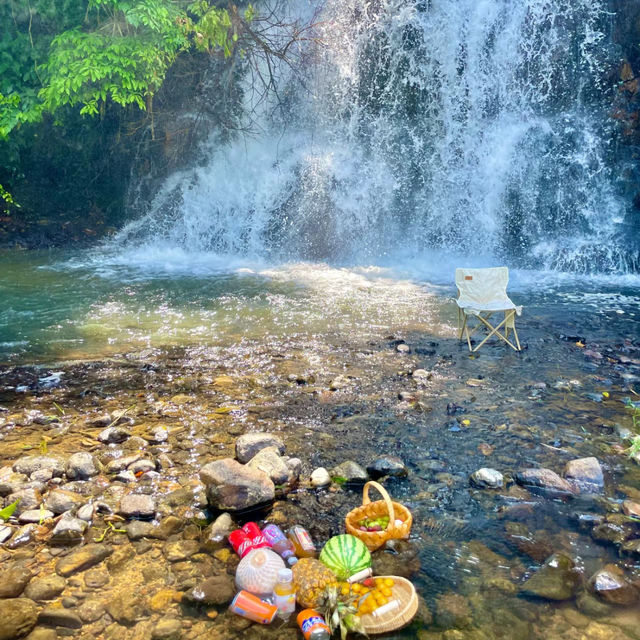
pixel 284 594
pixel 302 542
pixel 274 535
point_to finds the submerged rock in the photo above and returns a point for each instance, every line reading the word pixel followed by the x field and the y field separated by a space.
pixel 60 500
pixel 487 478
pixel 167 629
pixel 249 444
pixel 83 558
pixel 556 579
pixel 82 466
pixel 387 466
pixel 217 590
pixel 215 535
pixel 68 531
pixel 351 471
pixel 17 617
pixel 137 505
pixel 113 435
pixel 13 580
pixel 546 481
pixel 611 586
pixel 234 487
pixel 585 474
pixel 453 611
pixel 30 464
pixel 46 588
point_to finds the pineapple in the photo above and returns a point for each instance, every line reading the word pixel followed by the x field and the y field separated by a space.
pixel 311 578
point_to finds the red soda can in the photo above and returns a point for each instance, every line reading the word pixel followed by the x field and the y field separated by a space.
pixel 241 542
pixel 253 532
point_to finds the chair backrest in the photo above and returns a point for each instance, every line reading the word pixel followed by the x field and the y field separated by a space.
pixel 478 287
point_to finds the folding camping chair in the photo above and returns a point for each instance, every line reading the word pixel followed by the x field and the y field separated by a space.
pixel 481 293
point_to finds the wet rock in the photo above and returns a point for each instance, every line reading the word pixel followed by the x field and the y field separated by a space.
pixel 181 550
pixel 5 533
pixel 91 610
pixel 400 558
pixel 351 471
pixel 141 466
pixel 83 558
pixel 159 435
pixel 631 508
pixel 340 382
pixel 68 531
pixel 631 547
pixel 17 617
pixel 125 607
pixel 121 462
pixel 269 461
pixel 46 588
pixel 10 481
pixel 60 500
pixel 29 464
pixel 114 435
pixel 421 375
pixel 13 580
pixel 58 617
pixel 295 469
pixel 249 444
pixel 403 348
pixel 137 505
pixel 232 486
pixel 41 633
pixel 453 611
pixel 555 580
pixel 42 475
pixel 591 606
pixel 320 477
pixel 126 476
pixel 487 478
pixel 387 466
pixel 611 532
pixel 545 481
pixel 536 546
pixel 167 629
pixel 585 474
pixel 611 586
pixel 30 498
pixel 96 578
pixel 215 535
pixel 23 536
pixel 86 512
pixel 34 516
pixel 217 590
pixel 137 529
pixel 82 466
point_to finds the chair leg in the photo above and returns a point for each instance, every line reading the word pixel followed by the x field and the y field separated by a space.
pixel 495 330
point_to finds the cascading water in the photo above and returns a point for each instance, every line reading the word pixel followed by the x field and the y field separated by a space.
pixel 477 127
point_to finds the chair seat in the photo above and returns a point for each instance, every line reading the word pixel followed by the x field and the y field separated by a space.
pixel 501 304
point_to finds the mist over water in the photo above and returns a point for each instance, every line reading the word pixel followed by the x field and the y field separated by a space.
pixel 418 131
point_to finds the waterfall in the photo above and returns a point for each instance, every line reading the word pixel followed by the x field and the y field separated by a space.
pixel 476 127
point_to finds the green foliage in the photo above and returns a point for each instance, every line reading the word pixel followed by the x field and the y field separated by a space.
pixel 7 512
pixel 8 200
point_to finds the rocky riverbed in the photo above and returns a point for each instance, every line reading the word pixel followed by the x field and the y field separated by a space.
pixel 131 471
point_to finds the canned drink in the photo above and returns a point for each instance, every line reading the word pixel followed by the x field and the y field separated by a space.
pixel 313 626
pixel 241 542
pixel 253 532
pixel 248 606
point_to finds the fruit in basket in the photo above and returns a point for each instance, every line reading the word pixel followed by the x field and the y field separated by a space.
pixel 311 577
pixel 345 555
pixel 374 524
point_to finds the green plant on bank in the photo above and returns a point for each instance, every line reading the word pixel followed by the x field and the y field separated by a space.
pixel 633 450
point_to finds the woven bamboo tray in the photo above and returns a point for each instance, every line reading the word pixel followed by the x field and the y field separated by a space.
pixel 375 539
pixel 403 591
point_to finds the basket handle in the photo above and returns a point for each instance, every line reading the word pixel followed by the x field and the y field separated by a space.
pixel 385 496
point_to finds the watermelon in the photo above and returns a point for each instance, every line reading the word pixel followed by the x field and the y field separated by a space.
pixel 345 555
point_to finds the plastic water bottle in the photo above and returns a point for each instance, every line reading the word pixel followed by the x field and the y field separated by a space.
pixel 284 594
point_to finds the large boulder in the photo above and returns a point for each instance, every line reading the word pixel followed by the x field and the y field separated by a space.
pixel 249 444
pixel 387 466
pixel 235 487
pixel 545 481
pixel 585 474
pixel 17 617
pixel 351 472
pixel 556 579
pixel 272 463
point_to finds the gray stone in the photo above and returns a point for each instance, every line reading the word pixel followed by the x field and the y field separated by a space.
pixel 585 474
pixel 29 497
pixel 96 578
pixel 58 617
pixel 545 481
pixel 34 515
pixel 181 550
pixel 91 610
pixel 5 533
pixel 351 471
pixel 10 481
pixel 159 435
pixel 612 532
pixel 340 382
pixel 556 579
pixel 125 607
pixel 137 505
pixel 23 536
pixel 612 587
pixel 387 466
pixel 269 461
pixel 216 534
pixel 631 508
pixel 295 469
pixel 42 475
pixel 249 444
pixel 217 590
pixel 137 529
pixel 82 466
pixel 142 466
pixel 114 435
pixel 86 512
pixel 126 476
pixel 122 462
pixel 13 580
pixel 320 477
pixel 167 629
pixel 233 487
pixel 591 606
pixel 17 617
pixel 42 633
pixel 487 478
pixel 83 558
pixel 60 500
pixel 46 588
pixel 29 464
pixel 68 531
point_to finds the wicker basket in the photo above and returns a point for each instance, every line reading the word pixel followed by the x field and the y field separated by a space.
pixel 375 539
pixel 405 593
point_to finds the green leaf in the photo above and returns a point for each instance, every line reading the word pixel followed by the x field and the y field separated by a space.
pixel 7 512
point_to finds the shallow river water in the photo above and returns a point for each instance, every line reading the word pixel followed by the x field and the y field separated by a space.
pixel 212 350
